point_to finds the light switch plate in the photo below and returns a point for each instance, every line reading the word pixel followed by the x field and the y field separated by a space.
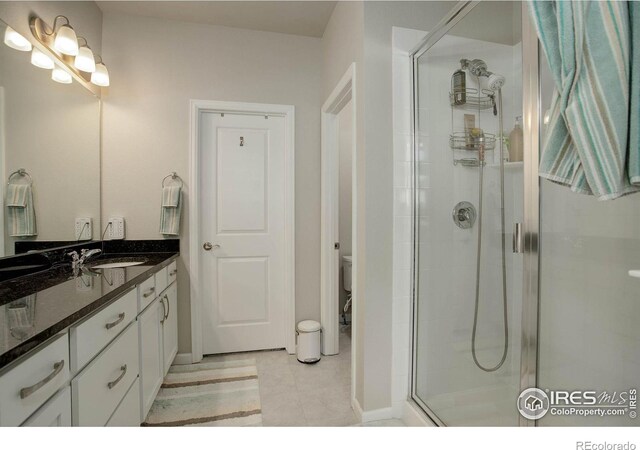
pixel 83 229
pixel 116 228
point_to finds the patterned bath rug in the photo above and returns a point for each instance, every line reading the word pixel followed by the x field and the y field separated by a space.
pixel 208 394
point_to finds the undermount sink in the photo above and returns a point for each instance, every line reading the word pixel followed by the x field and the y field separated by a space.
pixel 116 265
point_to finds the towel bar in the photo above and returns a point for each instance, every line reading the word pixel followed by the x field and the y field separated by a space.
pixel 173 176
pixel 22 173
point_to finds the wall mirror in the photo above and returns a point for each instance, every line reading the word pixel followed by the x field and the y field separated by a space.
pixel 50 140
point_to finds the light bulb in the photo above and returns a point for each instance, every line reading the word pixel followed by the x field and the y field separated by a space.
pixel 61 76
pixel 66 41
pixel 101 76
pixel 85 60
pixel 16 41
pixel 41 60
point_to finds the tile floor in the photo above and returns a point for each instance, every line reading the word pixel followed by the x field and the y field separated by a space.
pixel 296 394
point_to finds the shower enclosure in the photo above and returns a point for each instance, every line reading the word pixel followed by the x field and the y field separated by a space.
pixel 518 282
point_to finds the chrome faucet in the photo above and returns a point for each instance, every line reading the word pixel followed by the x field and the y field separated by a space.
pixel 78 261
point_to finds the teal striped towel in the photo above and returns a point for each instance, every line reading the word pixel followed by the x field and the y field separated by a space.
pixel 171 196
pixel 591 143
pixel 21 216
pixel 171 210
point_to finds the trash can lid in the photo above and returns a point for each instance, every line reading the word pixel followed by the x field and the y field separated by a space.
pixel 308 326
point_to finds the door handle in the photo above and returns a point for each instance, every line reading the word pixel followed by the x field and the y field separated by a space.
pixel 518 245
pixel 208 246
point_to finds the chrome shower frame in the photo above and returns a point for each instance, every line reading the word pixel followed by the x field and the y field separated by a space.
pixel 531 226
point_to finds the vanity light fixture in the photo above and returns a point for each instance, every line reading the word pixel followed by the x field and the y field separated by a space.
pixel 85 60
pixel 16 41
pixel 39 59
pixel 61 76
pixel 66 41
pixel 101 75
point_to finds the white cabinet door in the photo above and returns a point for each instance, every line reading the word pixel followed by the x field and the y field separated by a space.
pixel 150 355
pixel 28 386
pixel 101 386
pixel 170 326
pixel 128 412
pixel 55 413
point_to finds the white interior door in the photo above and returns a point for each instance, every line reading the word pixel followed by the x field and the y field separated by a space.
pixel 242 227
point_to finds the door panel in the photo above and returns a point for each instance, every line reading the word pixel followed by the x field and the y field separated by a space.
pixel 242 216
pixel 243 187
pixel 245 278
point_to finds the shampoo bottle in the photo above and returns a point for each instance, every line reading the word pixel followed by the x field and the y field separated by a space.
pixel 516 142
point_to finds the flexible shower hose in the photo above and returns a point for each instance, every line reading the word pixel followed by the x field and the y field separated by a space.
pixel 479 253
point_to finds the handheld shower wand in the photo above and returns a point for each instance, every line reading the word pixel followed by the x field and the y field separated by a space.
pixel 495 82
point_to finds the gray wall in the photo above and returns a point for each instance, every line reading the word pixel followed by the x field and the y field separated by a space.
pixel 156 67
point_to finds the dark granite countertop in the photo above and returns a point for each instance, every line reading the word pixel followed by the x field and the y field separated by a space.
pixel 36 307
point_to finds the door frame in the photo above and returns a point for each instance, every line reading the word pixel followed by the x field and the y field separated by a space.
pixel 197 108
pixel 344 92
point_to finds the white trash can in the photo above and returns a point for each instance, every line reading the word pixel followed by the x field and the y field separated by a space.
pixel 308 332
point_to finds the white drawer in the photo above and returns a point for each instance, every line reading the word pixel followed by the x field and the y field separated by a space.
pixel 92 335
pixel 55 413
pixel 98 390
pixel 128 412
pixel 172 272
pixel 161 280
pixel 31 383
pixel 147 293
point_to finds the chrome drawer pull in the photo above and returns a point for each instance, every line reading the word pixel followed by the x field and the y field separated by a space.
pixel 173 272
pixel 168 307
pixel 57 368
pixel 112 384
pixel 164 310
pixel 113 324
pixel 149 292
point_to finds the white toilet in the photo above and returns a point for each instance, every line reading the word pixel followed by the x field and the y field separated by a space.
pixel 346 272
pixel 346 280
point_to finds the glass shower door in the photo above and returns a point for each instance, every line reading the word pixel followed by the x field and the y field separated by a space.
pixel 468 281
pixel 589 303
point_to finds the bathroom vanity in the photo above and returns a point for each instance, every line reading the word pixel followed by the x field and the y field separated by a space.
pixel 89 348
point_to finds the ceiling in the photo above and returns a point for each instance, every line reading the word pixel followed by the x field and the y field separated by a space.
pixel 304 18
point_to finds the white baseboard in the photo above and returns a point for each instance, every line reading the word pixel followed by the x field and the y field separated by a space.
pixel 414 417
pixel 377 414
pixel 355 405
pixel 183 359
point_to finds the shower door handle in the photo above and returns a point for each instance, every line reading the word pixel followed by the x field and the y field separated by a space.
pixel 518 243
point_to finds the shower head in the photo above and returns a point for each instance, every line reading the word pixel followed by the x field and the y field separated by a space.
pixel 478 68
pixel 496 81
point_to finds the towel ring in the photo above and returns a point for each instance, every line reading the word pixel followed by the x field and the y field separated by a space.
pixel 174 176
pixel 21 173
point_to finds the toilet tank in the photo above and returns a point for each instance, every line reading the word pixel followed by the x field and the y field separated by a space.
pixel 346 272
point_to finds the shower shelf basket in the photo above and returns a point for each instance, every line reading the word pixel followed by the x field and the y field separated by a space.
pixel 463 140
pixel 472 99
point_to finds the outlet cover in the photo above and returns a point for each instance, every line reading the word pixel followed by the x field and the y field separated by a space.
pixel 116 228
pixel 83 229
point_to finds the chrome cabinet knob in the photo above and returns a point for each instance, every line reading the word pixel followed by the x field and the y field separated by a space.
pixel 208 246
